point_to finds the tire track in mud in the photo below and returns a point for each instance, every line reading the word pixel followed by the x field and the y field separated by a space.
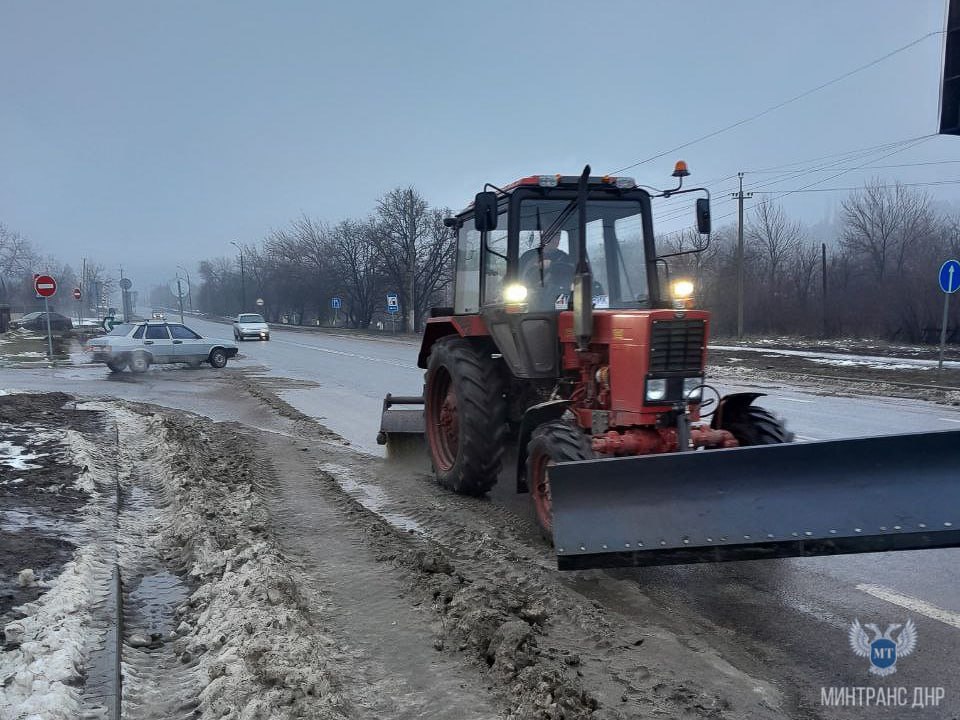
pixel 501 573
pixel 395 671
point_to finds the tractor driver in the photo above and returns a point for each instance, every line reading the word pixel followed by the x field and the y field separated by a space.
pixel 547 272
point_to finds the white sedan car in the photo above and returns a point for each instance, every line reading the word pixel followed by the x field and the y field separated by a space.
pixel 250 325
pixel 140 345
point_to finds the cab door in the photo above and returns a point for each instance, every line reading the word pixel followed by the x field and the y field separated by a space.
pixel 157 342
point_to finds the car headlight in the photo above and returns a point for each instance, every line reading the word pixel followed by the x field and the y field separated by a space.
pixel 656 389
pixel 692 389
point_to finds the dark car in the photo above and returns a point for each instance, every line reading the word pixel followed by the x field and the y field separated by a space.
pixel 37 321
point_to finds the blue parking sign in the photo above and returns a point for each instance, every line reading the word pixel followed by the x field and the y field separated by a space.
pixel 393 303
pixel 335 303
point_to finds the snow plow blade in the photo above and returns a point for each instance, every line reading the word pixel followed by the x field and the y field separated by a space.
pixel 899 492
pixel 400 421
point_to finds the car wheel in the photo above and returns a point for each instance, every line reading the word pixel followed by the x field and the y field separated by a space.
pixel 139 362
pixel 117 366
pixel 218 357
pixel 267 338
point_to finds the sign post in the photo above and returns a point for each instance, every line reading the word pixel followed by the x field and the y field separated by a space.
pixel 393 307
pixel 949 283
pixel 335 303
pixel 76 296
pixel 46 287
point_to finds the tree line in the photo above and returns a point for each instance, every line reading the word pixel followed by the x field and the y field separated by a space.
pixel 402 247
pixel 20 259
pixel 879 278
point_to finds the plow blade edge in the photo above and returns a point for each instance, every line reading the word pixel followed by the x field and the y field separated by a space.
pixel 899 492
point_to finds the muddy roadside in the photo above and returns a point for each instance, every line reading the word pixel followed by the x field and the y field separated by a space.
pixel 302 600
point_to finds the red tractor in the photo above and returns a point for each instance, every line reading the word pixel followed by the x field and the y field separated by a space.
pixel 564 340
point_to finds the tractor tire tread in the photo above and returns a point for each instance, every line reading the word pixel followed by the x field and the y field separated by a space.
pixel 757 426
pixel 481 447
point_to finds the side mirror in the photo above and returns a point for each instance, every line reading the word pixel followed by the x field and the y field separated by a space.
pixel 485 211
pixel 703 216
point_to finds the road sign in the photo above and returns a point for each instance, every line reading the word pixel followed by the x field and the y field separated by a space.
pixel 259 302
pixel 76 293
pixel 335 303
pixel 45 286
pixel 125 284
pixel 950 276
pixel 393 303
pixel 949 283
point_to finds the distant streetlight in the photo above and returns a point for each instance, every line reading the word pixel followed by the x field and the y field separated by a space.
pixel 189 286
pixel 243 284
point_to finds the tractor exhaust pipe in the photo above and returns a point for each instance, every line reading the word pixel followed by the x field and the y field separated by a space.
pixel 583 279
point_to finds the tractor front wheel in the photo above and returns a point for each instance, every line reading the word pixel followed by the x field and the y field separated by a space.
pixel 465 416
pixel 753 425
pixel 553 442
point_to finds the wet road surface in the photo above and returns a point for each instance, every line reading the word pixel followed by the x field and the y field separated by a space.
pixel 788 617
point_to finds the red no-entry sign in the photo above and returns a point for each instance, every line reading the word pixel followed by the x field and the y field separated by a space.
pixel 76 293
pixel 45 286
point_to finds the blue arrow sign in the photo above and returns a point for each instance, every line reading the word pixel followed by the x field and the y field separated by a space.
pixel 950 276
pixel 335 303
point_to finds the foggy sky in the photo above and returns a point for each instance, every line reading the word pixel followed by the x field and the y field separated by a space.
pixel 152 134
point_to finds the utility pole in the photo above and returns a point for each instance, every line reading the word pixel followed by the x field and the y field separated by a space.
pixel 180 298
pixel 739 197
pixel 243 284
pixel 823 279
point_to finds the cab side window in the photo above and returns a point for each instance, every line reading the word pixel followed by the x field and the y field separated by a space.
pixel 467 296
pixel 495 262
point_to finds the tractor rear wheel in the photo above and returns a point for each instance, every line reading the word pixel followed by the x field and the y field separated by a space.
pixel 465 416
pixel 551 443
pixel 752 425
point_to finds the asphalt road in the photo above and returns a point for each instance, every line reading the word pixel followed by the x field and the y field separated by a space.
pixel 786 618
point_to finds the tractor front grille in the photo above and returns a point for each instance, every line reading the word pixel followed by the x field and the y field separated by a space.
pixel 676 346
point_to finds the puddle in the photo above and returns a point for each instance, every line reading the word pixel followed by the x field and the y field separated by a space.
pixel 154 601
pixel 372 498
pixel 29 520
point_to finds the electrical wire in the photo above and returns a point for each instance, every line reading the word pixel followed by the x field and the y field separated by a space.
pixel 780 105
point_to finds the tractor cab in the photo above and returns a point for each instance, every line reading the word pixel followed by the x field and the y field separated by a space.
pixel 518 248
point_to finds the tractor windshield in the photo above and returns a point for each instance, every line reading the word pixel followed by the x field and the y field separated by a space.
pixel 548 246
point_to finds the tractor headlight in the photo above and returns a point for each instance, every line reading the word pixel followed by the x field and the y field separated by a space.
pixel 681 289
pixel 692 389
pixel 515 293
pixel 657 389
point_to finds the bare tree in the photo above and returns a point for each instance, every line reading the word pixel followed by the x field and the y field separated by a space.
pixel 774 238
pixel 416 250
pixel 355 258
pixel 17 257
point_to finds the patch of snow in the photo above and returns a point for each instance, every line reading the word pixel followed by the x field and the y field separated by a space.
pixel 17 457
pixel 867 363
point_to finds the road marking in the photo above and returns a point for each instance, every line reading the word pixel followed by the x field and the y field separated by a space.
pixel 954 420
pixel 912 604
pixel 790 399
pixel 368 358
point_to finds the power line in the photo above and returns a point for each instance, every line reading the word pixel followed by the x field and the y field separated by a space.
pixel 860 187
pixel 780 105
pixel 818 182
pixel 876 167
